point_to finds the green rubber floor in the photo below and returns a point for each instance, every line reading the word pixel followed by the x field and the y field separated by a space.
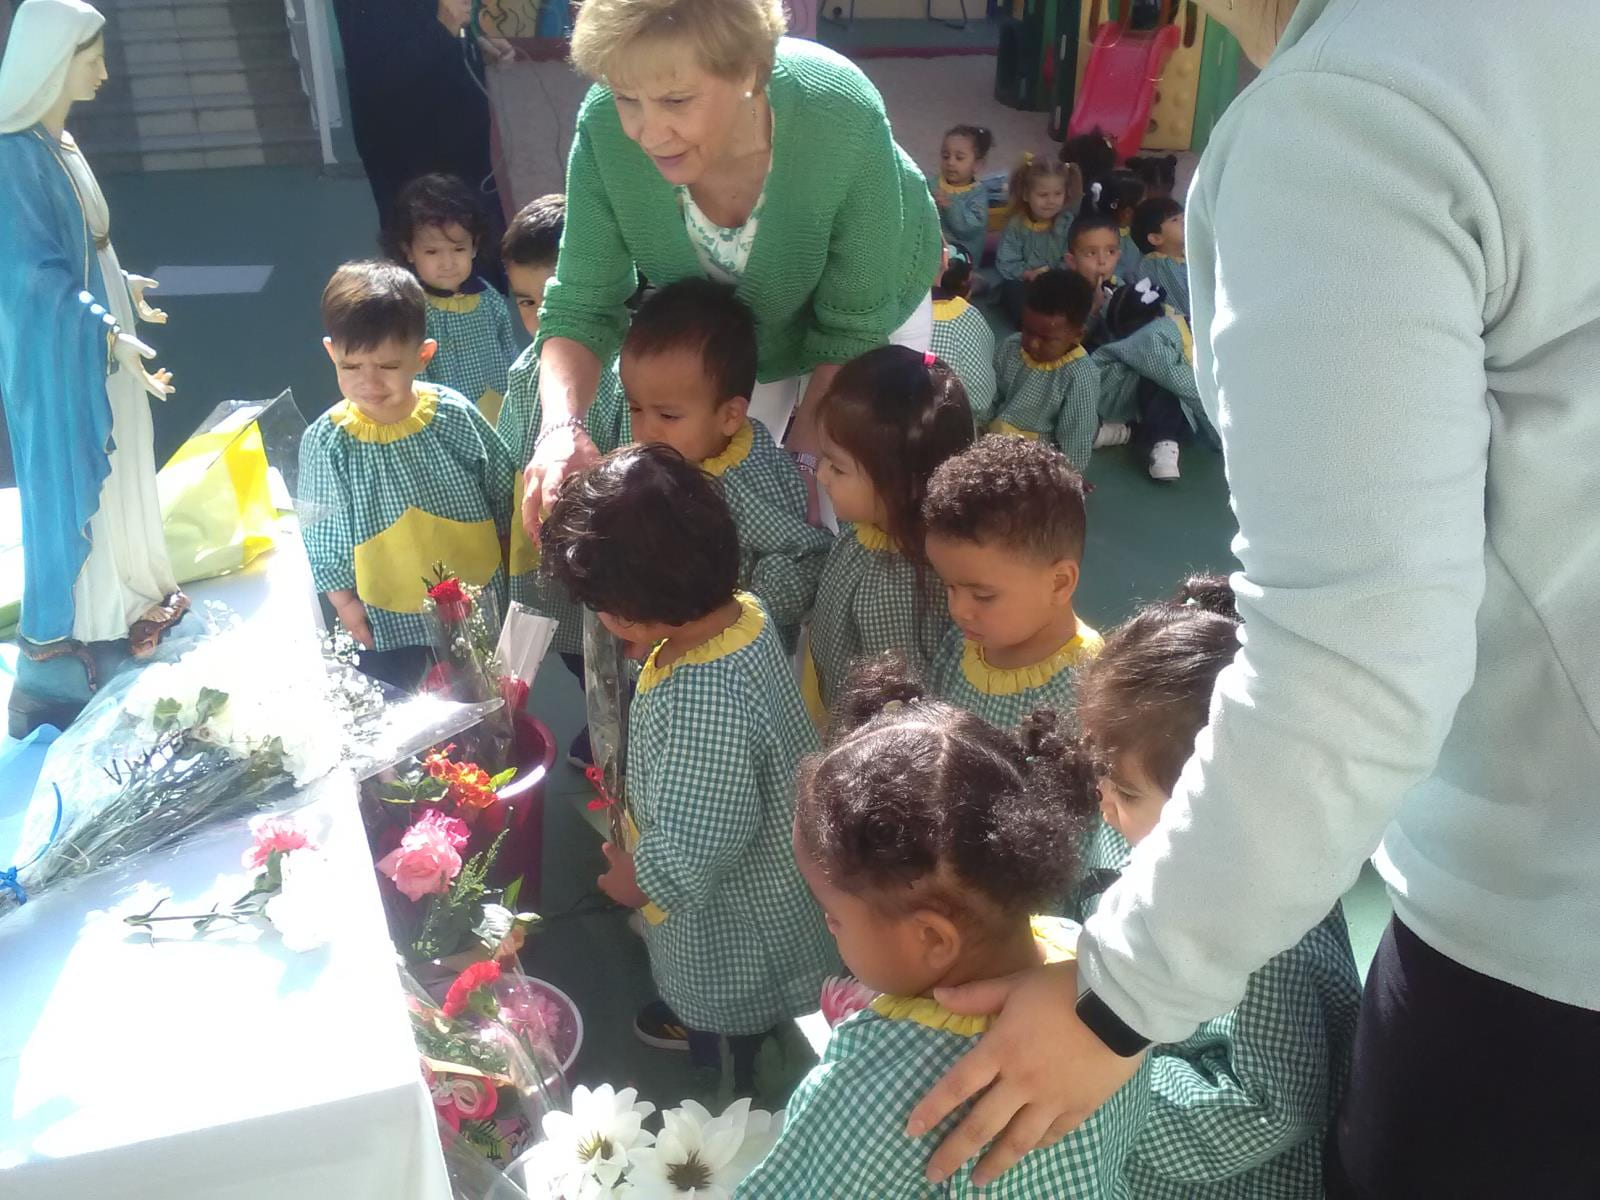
pixel 1143 537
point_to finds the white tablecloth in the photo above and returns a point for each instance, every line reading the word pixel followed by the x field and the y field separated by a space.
pixel 223 1066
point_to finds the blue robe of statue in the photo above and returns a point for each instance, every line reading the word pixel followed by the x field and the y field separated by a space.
pixel 55 337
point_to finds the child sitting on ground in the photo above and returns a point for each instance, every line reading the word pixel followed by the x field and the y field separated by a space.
pixel 1158 172
pixel 962 336
pixel 1241 1106
pixel 715 733
pixel 962 199
pixel 889 419
pixel 1049 386
pixel 1044 197
pixel 435 228
pixel 931 839
pixel 1119 196
pixel 1095 252
pixel 1005 528
pixel 1147 376
pixel 1158 232
pixel 396 476
pixel 688 367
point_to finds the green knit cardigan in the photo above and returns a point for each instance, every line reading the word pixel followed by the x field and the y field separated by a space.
pixel 849 239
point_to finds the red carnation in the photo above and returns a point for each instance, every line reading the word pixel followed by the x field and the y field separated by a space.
pixel 474 977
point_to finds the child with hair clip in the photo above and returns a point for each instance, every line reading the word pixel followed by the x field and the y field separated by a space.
pixel 1241 1106
pixel 1049 385
pixel 1147 376
pixel 396 476
pixel 1005 527
pixel 715 733
pixel 1118 196
pixel 962 199
pixel 931 839
pixel 889 419
pixel 962 336
pixel 688 367
pixel 1044 197
pixel 435 228
pixel 1158 232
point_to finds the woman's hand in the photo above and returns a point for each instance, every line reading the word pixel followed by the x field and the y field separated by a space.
pixel 562 452
pixel 138 285
pixel 131 354
pixel 1040 1070
pixel 619 881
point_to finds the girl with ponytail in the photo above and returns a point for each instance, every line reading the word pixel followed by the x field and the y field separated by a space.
pixel 1241 1106
pixel 1044 198
pixel 931 839
pixel 889 419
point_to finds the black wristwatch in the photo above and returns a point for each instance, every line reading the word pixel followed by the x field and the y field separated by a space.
pixel 1120 1038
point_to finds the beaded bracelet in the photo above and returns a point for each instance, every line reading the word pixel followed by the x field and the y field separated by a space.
pixel 569 423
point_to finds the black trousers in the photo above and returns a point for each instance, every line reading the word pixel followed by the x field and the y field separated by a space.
pixel 1465 1087
pixel 1161 417
pixel 705 1050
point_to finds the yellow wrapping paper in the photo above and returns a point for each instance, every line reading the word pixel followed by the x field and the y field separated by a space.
pixel 216 505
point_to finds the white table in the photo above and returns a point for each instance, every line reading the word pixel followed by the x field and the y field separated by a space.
pixel 217 1067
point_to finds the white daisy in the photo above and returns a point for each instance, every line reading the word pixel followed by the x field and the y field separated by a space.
pixel 586 1151
pixel 701 1157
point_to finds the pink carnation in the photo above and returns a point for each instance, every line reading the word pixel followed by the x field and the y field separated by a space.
pixel 428 857
pixel 844 996
pixel 271 833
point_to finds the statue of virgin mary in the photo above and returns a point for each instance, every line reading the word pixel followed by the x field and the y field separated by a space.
pixel 72 374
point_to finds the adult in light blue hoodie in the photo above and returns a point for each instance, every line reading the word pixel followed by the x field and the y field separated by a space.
pixel 1396 290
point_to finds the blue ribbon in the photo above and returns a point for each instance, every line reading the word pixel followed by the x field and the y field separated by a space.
pixel 8 878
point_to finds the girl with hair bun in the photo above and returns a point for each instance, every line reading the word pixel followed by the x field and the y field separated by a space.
pixel 1241 1106
pixel 962 199
pixel 931 838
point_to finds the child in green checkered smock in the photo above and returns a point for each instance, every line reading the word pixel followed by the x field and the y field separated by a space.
pixel 889 419
pixel 1240 1108
pixel 962 198
pixel 715 733
pixel 688 366
pixel 1049 385
pixel 1160 349
pixel 518 427
pixel 963 338
pixel 437 227
pixel 1044 197
pixel 1158 231
pixel 1005 532
pixel 929 837
pixel 399 475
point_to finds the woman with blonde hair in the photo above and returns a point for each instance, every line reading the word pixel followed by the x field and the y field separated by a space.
pixel 713 146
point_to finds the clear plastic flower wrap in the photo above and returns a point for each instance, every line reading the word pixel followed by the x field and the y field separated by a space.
pixel 213 727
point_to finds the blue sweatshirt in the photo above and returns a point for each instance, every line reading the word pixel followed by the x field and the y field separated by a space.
pixel 1415 471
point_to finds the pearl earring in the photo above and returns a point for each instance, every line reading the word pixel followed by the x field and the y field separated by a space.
pixel 749 95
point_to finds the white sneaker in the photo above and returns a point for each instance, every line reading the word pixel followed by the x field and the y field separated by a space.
pixel 1164 461
pixel 1112 433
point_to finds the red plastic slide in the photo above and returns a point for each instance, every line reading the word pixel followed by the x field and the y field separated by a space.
pixel 1119 83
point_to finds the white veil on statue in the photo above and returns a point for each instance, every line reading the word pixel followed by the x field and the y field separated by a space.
pixel 45 34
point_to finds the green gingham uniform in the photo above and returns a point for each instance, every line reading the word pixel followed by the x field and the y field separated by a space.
pixel 1004 697
pixel 475 348
pixel 1025 249
pixel 1060 404
pixel 520 417
pixel 1162 353
pixel 963 339
pixel 781 555
pixel 867 603
pixel 351 490
pixel 1171 276
pixel 713 742
pixel 1128 262
pixel 965 219
pixel 1240 1107
pixel 844 1130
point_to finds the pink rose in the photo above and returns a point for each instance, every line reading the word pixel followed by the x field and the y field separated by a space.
pixel 428 857
pixel 273 833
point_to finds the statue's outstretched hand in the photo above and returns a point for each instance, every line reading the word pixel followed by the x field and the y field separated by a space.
pixel 138 285
pixel 131 353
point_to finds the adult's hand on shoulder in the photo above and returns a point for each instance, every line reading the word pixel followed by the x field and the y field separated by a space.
pixel 1037 1074
pixel 558 454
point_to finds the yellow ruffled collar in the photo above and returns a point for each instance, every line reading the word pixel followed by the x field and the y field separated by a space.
pixel 738 449
pixel 949 310
pixel 1037 226
pixel 1072 355
pixel 1185 333
pixel 1009 681
pixel 1168 257
pixel 735 637
pixel 1125 230
pixel 956 189
pixel 458 303
pixel 363 428
pixel 1057 938
pixel 873 538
